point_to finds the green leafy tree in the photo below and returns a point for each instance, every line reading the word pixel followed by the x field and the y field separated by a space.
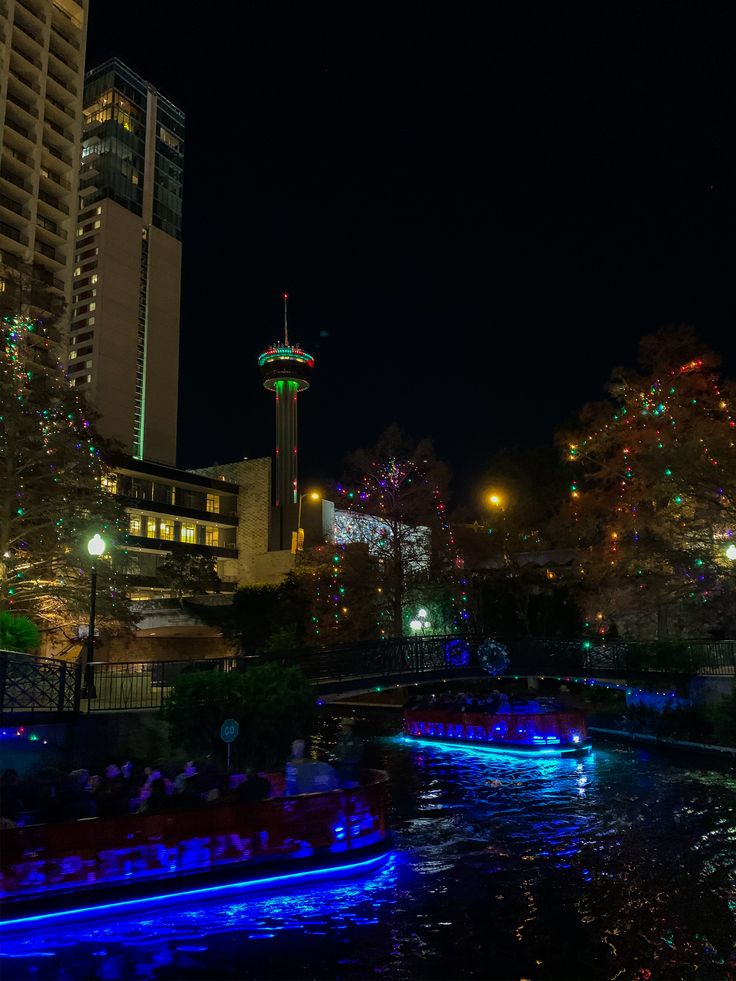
pixel 18 633
pixel 186 574
pixel 51 483
pixel 653 491
pixel 266 618
pixel 273 705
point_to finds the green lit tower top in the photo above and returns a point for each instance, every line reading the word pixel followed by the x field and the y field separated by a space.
pixel 286 370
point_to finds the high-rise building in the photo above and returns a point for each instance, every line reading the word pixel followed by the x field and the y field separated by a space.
pixel 124 340
pixel 42 45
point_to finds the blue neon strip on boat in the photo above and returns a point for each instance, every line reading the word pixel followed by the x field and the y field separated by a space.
pixel 202 891
pixel 530 754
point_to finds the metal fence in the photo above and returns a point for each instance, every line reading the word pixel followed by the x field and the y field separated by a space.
pixel 34 686
pixel 37 686
pixel 140 684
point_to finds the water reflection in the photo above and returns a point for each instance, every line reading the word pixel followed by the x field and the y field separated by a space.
pixel 620 864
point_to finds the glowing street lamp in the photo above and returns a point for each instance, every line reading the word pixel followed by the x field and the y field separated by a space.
pixel 420 621
pixel 313 496
pixel 96 548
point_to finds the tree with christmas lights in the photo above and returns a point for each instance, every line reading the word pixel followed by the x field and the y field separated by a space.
pixel 653 492
pixel 395 493
pixel 51 483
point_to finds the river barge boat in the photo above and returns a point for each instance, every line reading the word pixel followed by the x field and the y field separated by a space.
pixel 541 733
pixel 77 868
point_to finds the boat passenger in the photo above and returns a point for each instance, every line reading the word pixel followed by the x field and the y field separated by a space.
pixel 253 788
pixel 307 776
pixel 349 752
pixel 504 706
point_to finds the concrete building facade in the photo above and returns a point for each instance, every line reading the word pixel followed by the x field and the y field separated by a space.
pixel 124 336
pixel 42 49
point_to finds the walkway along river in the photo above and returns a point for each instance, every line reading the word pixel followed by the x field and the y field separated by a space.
pixel 617 865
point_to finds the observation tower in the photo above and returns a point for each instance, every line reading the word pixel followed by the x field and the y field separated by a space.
pixel 285 370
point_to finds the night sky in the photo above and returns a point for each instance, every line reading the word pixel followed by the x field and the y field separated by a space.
pixel 477 209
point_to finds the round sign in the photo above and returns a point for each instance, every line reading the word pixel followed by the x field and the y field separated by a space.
pixel 229 730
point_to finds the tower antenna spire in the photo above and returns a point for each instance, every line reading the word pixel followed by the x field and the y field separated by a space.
pixel 286 319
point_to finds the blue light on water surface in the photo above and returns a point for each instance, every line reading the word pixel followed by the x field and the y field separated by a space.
pixel 203 893
pixel 497 750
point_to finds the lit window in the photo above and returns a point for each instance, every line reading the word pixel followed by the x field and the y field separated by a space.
pixel 188 533
pixel 78 271
pixel 93 279
pixel 72 355
pixel 93 306
pixel 213 503
pixel 72 382
pixel 150 527
pixel 166 530
pixel 91 320
pixel 135 524
pixel 110 483
pixel 212 536
pixel 2 285
pixel 99 210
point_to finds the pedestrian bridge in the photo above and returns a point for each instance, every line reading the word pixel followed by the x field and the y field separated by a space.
pixel 35 689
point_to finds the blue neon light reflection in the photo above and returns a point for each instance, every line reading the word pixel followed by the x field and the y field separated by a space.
pixel 497 748
pixel 275 880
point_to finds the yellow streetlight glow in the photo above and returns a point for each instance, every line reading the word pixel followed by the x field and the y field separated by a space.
pixel 495 499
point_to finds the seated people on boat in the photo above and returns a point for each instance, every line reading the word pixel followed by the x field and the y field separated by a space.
pixel 305 776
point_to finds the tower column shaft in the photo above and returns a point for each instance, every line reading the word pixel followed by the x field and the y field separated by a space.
pixel 286 442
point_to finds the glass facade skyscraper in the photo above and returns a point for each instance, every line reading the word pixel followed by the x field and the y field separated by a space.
pixel 117 129
pixel 124 342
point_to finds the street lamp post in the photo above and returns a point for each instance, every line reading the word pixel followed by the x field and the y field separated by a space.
pixel 96 548
pixel 497 501
pixel 313 496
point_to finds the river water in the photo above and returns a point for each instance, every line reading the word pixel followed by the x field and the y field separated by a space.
pixel 621 864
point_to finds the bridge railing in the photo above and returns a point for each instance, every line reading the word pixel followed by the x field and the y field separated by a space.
pixel 675 658
pixel 140 684
pixel 37 686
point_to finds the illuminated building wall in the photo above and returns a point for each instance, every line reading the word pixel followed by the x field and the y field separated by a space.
pixel 41 77
pixel 124 337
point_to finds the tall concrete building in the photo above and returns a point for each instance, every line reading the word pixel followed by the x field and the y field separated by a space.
pixel 124 341
pixel 42 46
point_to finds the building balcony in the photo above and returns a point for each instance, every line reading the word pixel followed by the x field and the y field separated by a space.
pixel 19 135
pixel 24 56
pixel 36 14
pixel 50 181
pixel 9 231
pixel 27 85
pixel 48 204
pixel 26 33
pixel 15 180
pixel 58 129
pixel 10 205
pixel 21 160
pixel 53 233
pixel 61 89
pixel 61 57
pixel 61 68
pixel 164 545
pixel 70 43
